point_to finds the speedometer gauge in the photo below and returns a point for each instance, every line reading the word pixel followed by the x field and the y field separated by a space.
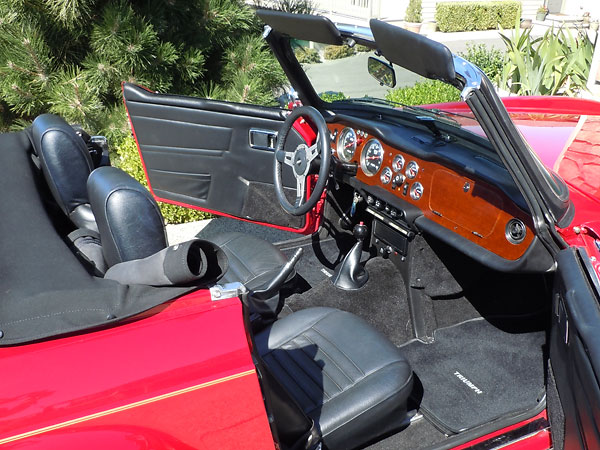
pixel 371 157
pixel 346 144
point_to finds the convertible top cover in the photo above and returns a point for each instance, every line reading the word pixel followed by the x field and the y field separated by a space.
pixel 46 289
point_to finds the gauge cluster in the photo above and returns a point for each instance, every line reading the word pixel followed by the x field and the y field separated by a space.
pixel 394 170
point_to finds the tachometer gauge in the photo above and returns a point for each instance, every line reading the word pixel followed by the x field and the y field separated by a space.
pixel 371 157
pixel 346 144
pixel 398 163
pixel 412 170
pixel 386 175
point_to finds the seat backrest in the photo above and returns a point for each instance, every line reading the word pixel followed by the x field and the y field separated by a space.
pixel 129 220
pixel 66 164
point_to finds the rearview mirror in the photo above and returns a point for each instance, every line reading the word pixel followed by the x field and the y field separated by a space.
pixel 382 72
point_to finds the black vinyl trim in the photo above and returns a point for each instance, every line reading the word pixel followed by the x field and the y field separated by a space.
pixel 575 349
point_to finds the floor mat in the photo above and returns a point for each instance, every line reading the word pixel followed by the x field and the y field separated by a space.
pixel 474 372
pixel 381 301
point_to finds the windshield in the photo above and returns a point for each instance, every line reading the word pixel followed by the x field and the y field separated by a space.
pixel 339 73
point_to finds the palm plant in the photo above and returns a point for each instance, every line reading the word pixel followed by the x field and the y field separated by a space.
pixel 556 63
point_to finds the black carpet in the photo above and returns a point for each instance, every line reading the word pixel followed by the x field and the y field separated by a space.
pixel 319 259
pixel 381 301
pixel 474 373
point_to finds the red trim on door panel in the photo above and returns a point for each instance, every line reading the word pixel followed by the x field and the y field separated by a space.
pixel 312 218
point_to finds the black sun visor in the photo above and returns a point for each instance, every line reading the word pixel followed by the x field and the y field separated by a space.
pixel 302 26
pixel 414 52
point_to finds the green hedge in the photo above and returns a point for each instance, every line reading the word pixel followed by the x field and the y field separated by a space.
pixel 413 11
pixel 331 96
pixel 489 59
pixel 469 16
pixel 306 55
pixel 126 157
pixel 424 93
pixel 337 52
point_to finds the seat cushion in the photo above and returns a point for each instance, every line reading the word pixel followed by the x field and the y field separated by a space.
pixel 252 260
pixel 345 375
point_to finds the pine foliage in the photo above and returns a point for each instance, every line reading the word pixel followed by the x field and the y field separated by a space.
pixel 71 56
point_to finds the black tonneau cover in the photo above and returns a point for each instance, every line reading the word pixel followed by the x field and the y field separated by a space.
pixel 45 289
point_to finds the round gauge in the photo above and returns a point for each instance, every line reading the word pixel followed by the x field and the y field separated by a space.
pixel 371 157
pixel 386 175
pixel 398 163
pixel 346 144
pixel 412 170
pixel 416 191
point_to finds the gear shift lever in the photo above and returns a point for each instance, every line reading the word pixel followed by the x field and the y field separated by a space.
pixel 350 274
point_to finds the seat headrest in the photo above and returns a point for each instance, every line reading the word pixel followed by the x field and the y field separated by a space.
pixel 129 220
pixel 64 159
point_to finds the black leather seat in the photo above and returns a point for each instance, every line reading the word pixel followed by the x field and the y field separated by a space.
pixel 345 375
pixel 66 164
pixel 131 227
pixel 252 260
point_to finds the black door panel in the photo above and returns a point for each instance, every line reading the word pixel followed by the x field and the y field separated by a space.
pixel 575 351
pixel 197 152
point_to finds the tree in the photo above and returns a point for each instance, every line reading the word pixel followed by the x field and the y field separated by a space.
pixel 70 56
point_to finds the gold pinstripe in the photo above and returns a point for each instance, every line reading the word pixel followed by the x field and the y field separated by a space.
pixel 123 408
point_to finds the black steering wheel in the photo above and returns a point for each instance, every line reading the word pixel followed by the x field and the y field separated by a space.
pixel 300 161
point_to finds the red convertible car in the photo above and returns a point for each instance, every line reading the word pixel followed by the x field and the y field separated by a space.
pixel 441 292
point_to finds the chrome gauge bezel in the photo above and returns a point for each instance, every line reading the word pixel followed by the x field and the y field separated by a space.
pixel 386 175
pixel 398 163
pixel 412 170
pixel 363 156
pixel 416 191
pixel 342 152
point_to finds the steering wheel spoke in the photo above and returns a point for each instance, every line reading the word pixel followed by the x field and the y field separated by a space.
pixel 288 159
pixel 300 160
pixel 313 151
pixel 300 190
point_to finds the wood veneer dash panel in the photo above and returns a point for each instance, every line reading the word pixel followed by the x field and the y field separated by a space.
pixel 479 214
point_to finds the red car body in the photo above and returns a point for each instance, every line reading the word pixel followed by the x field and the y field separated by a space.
pixel 182 376
pixel 129 387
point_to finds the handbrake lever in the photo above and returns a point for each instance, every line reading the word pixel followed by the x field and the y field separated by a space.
pixel 268 291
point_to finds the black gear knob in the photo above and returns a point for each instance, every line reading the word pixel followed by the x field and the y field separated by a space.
pixel 360 231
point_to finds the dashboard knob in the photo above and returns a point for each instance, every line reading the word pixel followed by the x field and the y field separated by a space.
pixel 370 200
pixel 378 204
pixel 399 179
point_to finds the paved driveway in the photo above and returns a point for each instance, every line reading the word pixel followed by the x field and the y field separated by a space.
pixel 350 76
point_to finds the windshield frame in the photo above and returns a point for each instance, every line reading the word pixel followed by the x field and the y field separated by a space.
pixel 547 206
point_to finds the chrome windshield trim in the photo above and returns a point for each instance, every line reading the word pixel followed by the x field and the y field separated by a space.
pixel 355 31
pixel 470 75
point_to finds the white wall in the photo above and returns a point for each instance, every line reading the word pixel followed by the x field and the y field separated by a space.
pixel 578 7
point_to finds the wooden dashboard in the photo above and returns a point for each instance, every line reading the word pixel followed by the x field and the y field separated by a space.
pixel 467 206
